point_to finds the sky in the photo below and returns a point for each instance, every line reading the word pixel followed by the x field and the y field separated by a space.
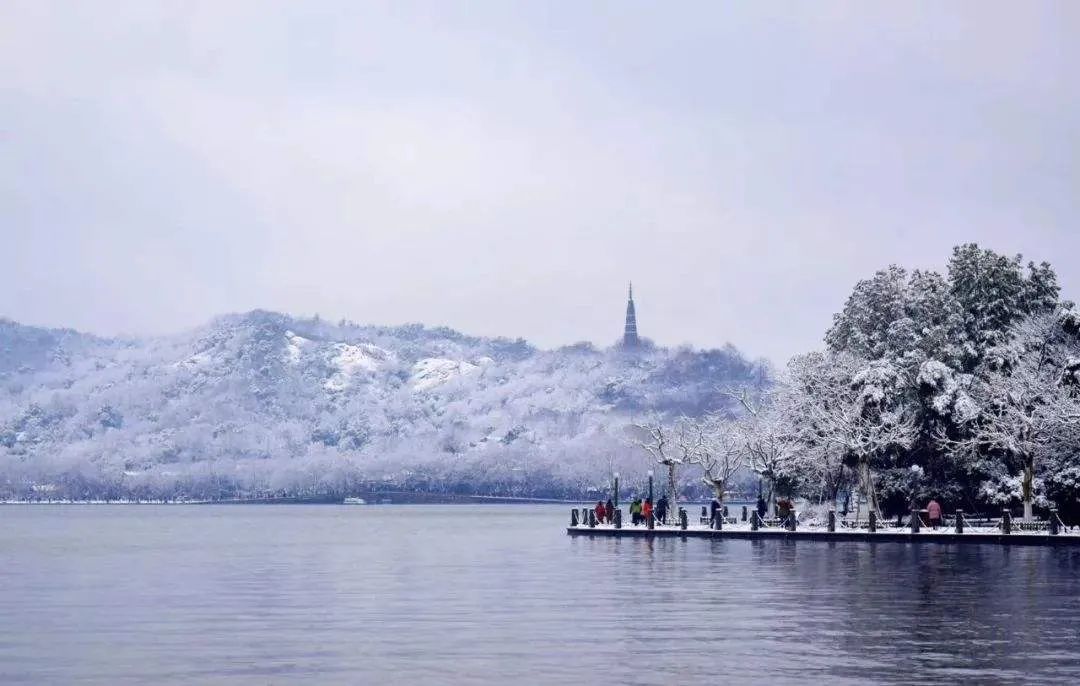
pixel 506 168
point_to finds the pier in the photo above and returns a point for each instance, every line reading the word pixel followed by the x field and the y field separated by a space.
pixel 583 523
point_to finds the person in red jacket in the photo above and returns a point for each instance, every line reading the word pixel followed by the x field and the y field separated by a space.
pixel 646 510
pixel 933 513
pixel 601 513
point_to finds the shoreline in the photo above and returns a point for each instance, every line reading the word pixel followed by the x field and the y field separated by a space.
pixel 822 535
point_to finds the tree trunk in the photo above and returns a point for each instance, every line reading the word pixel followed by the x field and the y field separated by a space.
pixel 671 493
pixel 866 481
pixel 1028 487
pixel 771 502
pixel 718 487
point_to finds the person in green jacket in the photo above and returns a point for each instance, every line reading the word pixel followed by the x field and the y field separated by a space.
pixel 635 511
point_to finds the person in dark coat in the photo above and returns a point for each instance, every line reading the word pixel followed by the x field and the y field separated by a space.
pixel 761 507
pixel 661 509
pixel 714 508
pixel 610 507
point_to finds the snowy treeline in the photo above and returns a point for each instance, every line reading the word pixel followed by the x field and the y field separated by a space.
pixel 964 387
pixel 265 404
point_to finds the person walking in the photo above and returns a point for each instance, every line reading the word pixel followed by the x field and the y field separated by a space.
pixel 933 513
pixel 714 510
pixel 661 509
pixel 610 507
pixel 635 511
pixel 646 511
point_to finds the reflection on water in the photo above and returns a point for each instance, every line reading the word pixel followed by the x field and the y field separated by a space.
pixel 493 594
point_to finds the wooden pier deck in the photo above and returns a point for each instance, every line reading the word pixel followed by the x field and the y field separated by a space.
pixel 737 532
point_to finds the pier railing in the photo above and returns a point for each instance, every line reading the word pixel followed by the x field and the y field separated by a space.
pixel 719 520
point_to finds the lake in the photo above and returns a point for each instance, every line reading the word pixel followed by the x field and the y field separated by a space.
pixel 499 594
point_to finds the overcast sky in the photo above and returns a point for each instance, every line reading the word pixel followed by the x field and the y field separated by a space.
pixel 505 168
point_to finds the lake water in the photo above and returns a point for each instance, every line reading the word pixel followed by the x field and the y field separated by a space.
pixel 499 594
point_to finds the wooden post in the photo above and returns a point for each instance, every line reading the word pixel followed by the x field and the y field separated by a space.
pixel 1053 521
pixel 592 519
pixel 744 513
pixel 872 518
pixel 682 519
pixel 1006 522
pixel 832 521
pixel 915 521
pixel 618 518
pixel 573 517
pixel 959 521
pixel 754 521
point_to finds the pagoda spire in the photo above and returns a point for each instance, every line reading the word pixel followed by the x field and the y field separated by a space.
pixel 630 334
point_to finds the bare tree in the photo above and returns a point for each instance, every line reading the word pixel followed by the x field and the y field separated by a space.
pixel 713 444
pixel 658 440
pixel 765 438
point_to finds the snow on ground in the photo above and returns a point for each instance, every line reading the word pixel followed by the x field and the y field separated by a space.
pixel 294 346
pixel 352 359
pixel 969 531
pixel 435 371
pixel 197 360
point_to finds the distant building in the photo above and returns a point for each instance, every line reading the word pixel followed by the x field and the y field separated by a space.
pixel 630 336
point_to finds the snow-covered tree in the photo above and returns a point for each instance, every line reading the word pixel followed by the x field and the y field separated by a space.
pixel 658 439
pixel 765 435
pixel 714 444
pixel 857 407
pixel 1029 410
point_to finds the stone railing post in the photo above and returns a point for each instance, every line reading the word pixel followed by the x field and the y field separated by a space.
pixel 744 513
pixel 754 517
pixel 682 519
pixel 1054 523
pixel 832 521
pixel 959 521
pixel 915 521
pixel 618 519
pixel 1006 522
pixel 872 521
pixel 592 519
pixel 573 517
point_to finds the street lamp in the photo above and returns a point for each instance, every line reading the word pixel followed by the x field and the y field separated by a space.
pixel 616 489
pixel 650 485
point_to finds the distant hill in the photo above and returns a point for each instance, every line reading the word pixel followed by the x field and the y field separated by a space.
pixel 263 403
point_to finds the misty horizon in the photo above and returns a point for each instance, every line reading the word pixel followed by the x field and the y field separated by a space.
pixel 507 171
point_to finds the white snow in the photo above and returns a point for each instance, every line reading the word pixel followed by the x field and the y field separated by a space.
pixel 350 360
pixel 196 360
pixel 294 346
pixel 435 371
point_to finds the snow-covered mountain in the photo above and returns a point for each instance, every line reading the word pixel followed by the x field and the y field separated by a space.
pixel 266 403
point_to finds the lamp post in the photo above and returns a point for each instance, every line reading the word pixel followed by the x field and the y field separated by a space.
pixel 650 485
pixel 616 489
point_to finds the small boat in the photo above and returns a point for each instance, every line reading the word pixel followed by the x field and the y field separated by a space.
pixel 355 501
